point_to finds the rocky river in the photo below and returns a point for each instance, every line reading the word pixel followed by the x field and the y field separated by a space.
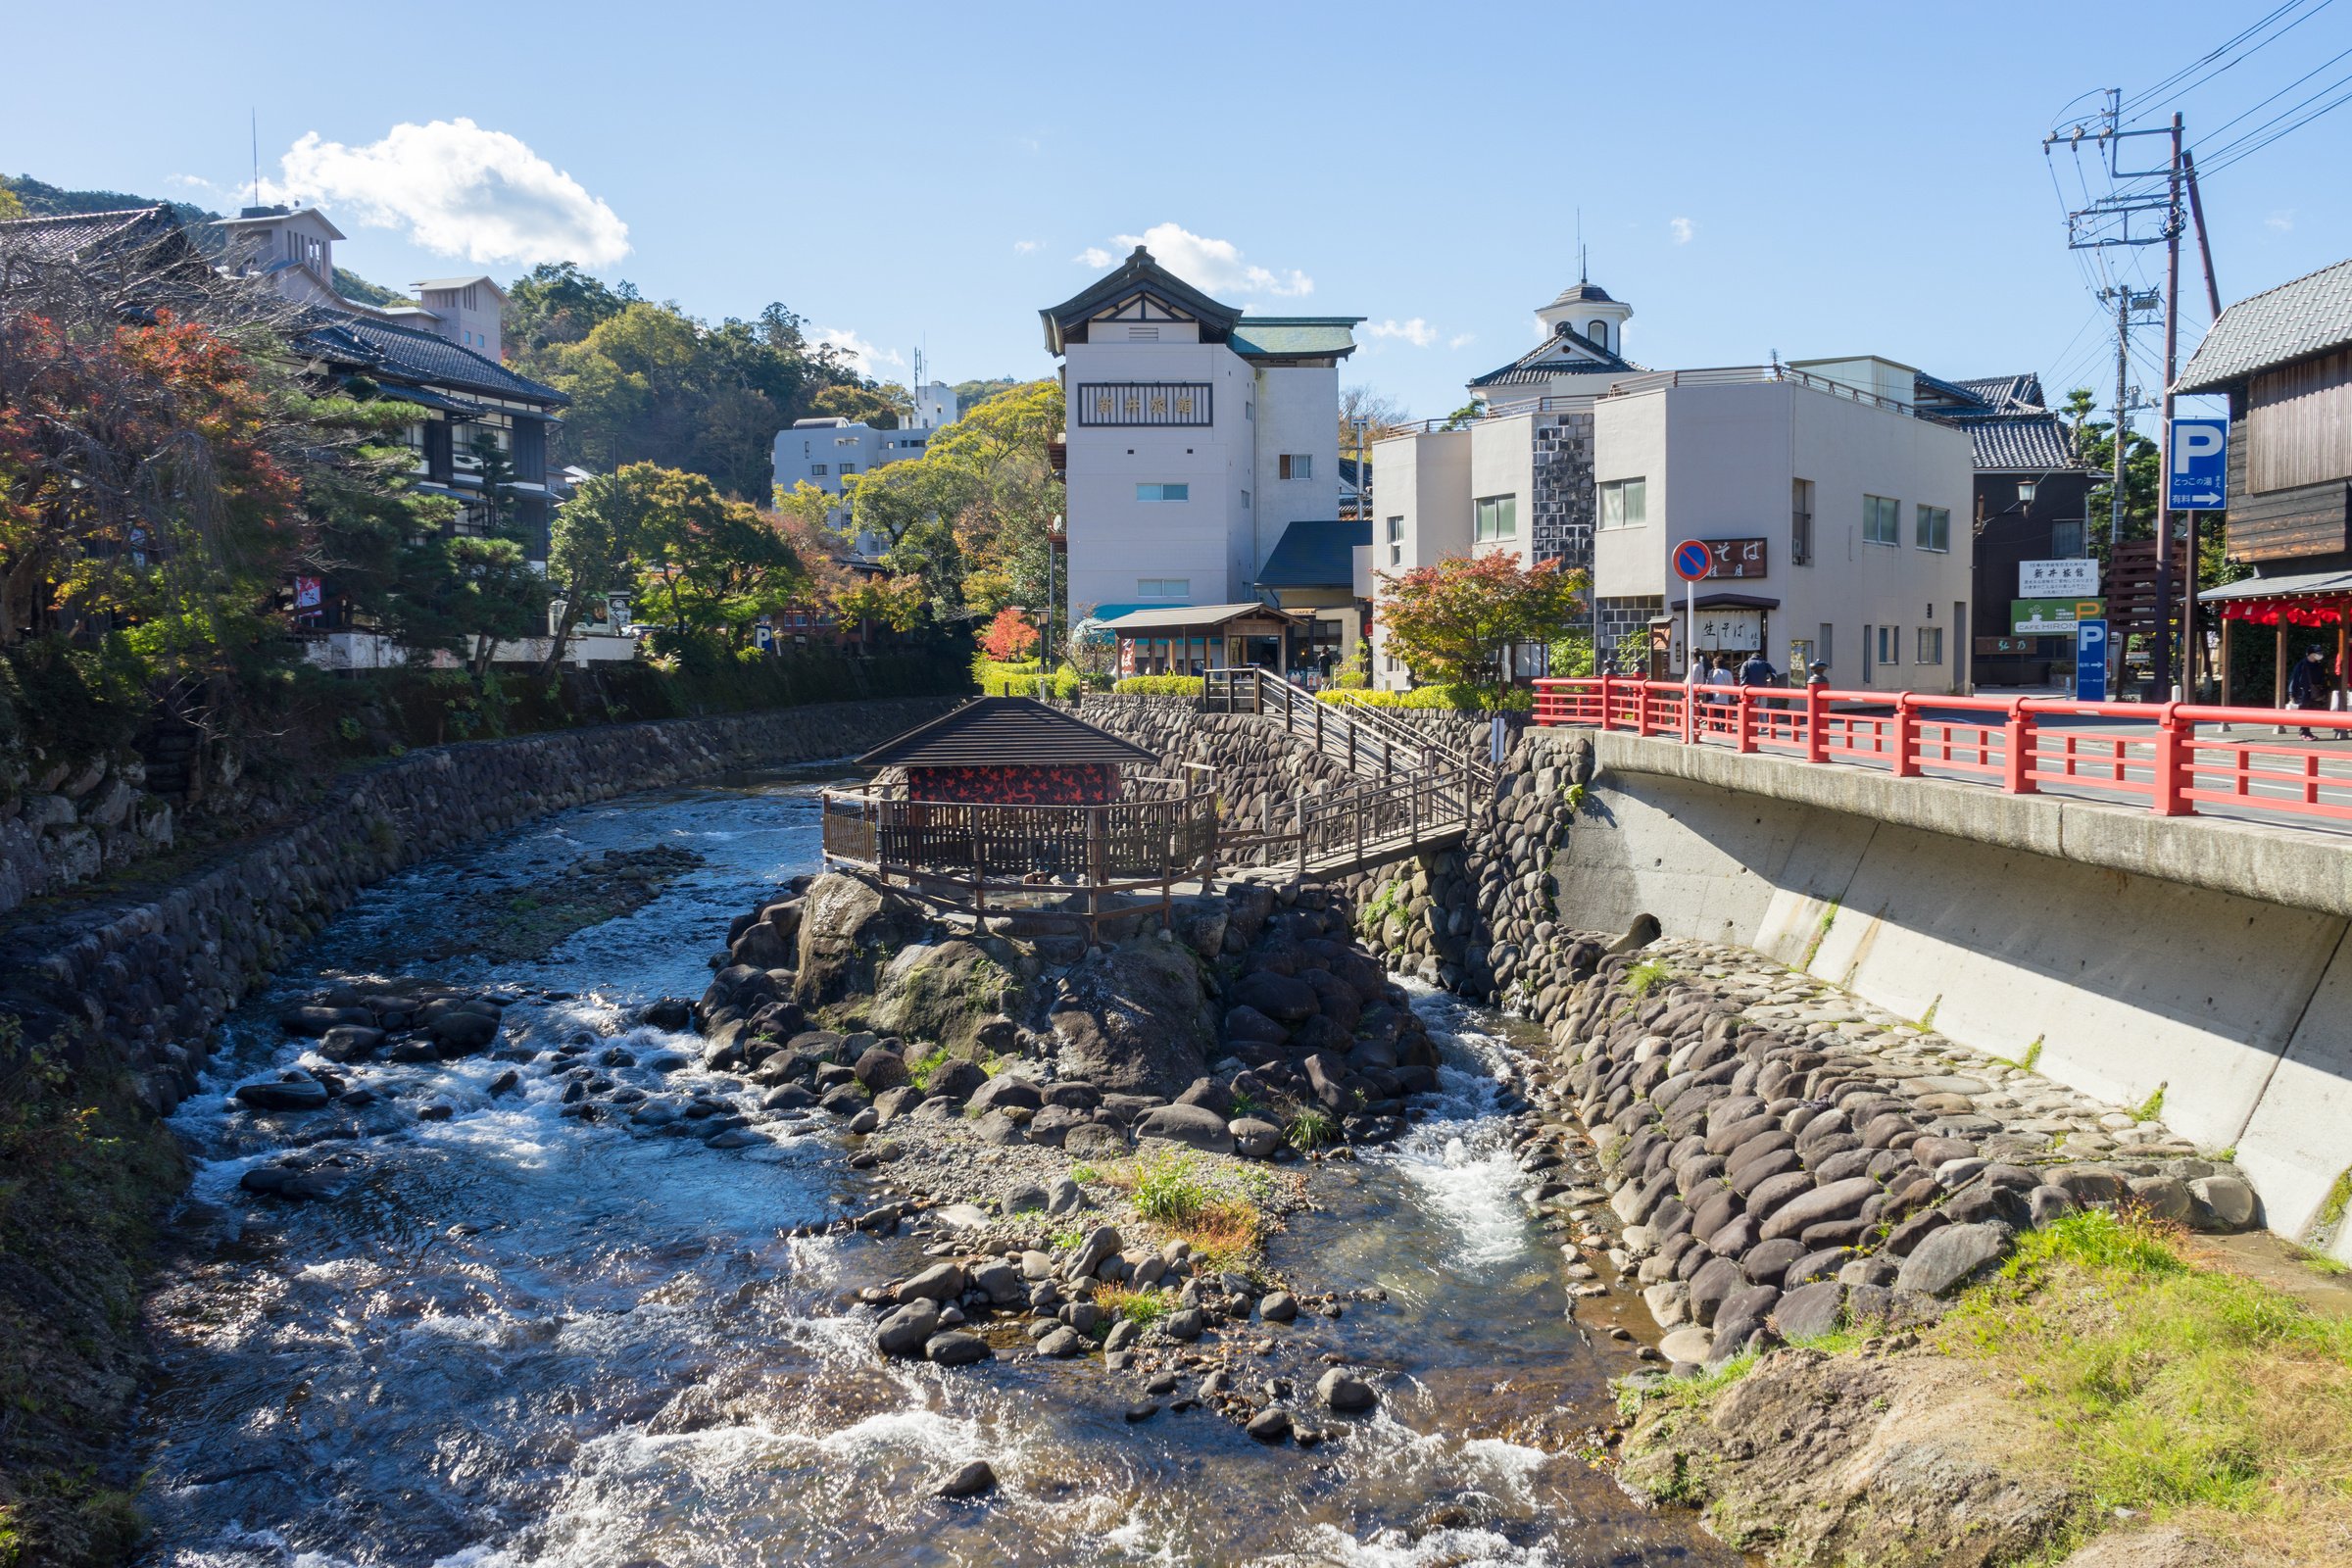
pixel 513 1336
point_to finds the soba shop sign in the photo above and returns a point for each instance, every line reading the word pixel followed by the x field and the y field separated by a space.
pixel 2052 618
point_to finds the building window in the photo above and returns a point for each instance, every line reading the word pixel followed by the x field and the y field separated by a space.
pixel 849 467
pixel 1930 647
pixel 1396 541
pixel 1598 332
pixel 1497 517
pixel 1296 466
pixel 1164 492
pixel 1163 587
pixel 1144 402
pixel 1800 523
pixel 1625 503
pixel 1881 522
pixel 2066 539
pixel 1935 528
pixel 1890 645
pixel 1142 335
pixel 817 470
pixel 1822 643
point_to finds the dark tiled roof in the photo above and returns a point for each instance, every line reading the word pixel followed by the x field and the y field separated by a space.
pixel 1138 271
pixel 1004 732
pixel 1583 293
pixel 1316 555
pixel 2295 320
pixel 2023 443
pixel 1537 365
pixel 68 235
pixel 401 354
pixel 2005 392
pixel 1267 337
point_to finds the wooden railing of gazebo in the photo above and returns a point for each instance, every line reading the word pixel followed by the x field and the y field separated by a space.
pixel 970 853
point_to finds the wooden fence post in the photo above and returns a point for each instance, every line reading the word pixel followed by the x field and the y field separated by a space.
pixel 1299 822
pixel 1094 834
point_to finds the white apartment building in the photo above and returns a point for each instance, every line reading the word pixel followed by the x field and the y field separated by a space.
pixel 1518 478
pixel 1838 514
pixel 822 452
pixel 1197 435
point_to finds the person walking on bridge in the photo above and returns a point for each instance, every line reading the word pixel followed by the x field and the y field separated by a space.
pixel 2309 684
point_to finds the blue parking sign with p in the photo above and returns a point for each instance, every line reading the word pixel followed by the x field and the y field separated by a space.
pixel 2197 465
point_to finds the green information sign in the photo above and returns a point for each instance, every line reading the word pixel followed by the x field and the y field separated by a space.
pixel 2052 618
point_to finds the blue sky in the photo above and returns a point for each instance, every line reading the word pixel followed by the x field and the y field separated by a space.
pixel 1863 178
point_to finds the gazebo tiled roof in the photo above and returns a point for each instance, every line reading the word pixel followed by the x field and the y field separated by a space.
pixel 1004 732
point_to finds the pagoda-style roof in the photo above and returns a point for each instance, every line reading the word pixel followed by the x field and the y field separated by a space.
pixel 1004 732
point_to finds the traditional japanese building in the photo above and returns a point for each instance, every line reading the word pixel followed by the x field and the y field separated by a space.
pixel 1009 751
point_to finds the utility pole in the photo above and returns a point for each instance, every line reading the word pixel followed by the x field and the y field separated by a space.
pixel 2212 301
pixel 2161 665
pixel 2123 417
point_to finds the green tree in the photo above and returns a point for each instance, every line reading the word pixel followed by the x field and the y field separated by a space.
pixel 708 568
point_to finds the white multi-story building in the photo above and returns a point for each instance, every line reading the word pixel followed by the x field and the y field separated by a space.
pixel 1197 436
pixel 822 452
pixel 1518 476
pixel 1838 516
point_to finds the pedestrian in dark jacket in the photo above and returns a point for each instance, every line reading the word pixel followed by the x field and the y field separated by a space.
pixel 1757 671
pixel 2309 684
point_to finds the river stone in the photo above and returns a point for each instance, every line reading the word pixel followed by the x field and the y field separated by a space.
pixel 1345 1394
pixel 1001 1282
pixel 2165 1196
pixel 1246 1025
pixel 956 1349
pixel 1810 1310
pixel 1193 1126
pixel 1771 1197
pixel 1124 1333
pixel 282 1181
pixel 1945 1260
pixel 1026 1197
pixel 1715 1280
pixel 1004 1090
pixel 347 1042
pixel 1094 1141
pixel 956 1079
pixel 1064 1197
pixel 1253 1139
pixel 1062 1342
pixel 1836 1201
pixel 292 1094
pixel 941 1282
pixel 1135 1018
pixel 1270 1424
pixel 462 1032
pixel 2224 1203
pixel 1184 1324
pixel 1036 1265
pixel 1904 1239
pixel 1763 1169
pixel 905 1331
pixel 1688 1345
pixel 1765 1263
pixel 319 1020
pixel 1279 997
pixel 1817 1264
pixel 970 1481
pixel 1100 1243
pixel 997 1127
pixel 734 1138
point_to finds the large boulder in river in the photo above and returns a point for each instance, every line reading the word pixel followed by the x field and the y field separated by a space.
pixel 850 931
pixel 1136 1018
pixel 945 991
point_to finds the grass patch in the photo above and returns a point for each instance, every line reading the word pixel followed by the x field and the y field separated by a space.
pixel 1646 978
pixel 2199 1397
pixel 1311 1130
pixel 1084 1174
pixel 920 1070
pixel 2149 1109
pixel 1927 1019
pixel 2024 1064
pixel 1821 934
pixel 1143 1307
pixel 1574 795
pixel 1219 1211
pixel 2331 1210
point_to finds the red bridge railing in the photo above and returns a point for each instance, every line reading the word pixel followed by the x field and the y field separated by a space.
pixel 2165 757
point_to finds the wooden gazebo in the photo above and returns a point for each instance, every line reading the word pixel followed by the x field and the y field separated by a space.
pixel 1009 801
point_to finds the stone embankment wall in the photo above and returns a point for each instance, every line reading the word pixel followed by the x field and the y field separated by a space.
pixel 2228 1014
pixel 146 976
pixel 74 820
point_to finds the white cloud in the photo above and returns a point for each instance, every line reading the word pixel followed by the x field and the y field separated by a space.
pixel 1461 340
pixel 1022 247
pixel 1214 264
pixel 1419 333
pixel 2283 222
pixel 1683 228
pixel 458 189
pixel 870 359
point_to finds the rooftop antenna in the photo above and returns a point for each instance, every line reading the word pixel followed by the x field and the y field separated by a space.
pixel 1584 274
pixel 256 115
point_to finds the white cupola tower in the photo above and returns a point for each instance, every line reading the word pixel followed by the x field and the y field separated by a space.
pixel 1586 309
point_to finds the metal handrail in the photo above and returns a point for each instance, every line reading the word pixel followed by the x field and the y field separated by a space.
pixel 1369 741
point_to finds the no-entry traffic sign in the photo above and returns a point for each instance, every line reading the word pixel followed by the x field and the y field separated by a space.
pixel 1692 559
